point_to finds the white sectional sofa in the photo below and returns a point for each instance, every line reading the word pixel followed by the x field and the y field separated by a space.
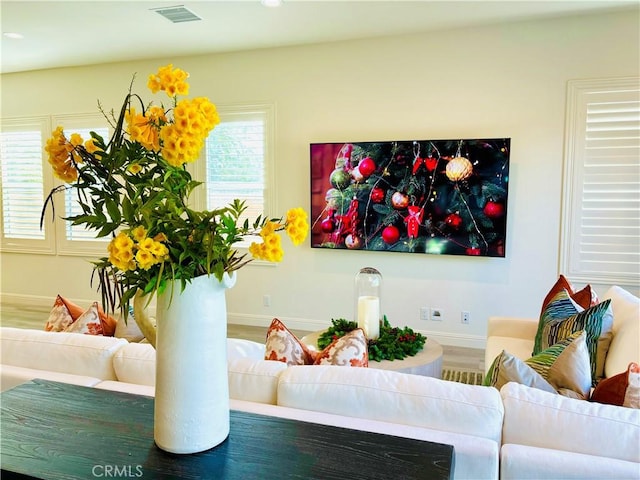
pixel 467 417
pixel 517 433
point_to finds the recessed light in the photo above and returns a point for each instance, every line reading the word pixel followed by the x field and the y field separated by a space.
pixel 271 3
pixel 13 35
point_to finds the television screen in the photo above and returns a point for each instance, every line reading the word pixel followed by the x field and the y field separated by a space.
pixel 422 196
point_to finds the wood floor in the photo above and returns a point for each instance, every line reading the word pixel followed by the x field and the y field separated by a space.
pixel 456 358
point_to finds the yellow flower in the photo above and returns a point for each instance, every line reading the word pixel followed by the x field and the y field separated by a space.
pixel 268 229
pixel 145 259
pixel 90 146
pixel 134 168
pixel 58 156
pixel 121 252
pixel 159 250
pixel 139 233
pixel 76 139
pixel 143 129
pixel 270 249
pixel 297 225
pixel 170 80
pixel 122 241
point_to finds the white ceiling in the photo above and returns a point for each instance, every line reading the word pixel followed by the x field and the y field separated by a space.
pixel 72 33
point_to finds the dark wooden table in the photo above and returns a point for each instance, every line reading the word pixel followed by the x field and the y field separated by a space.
pixel 54 430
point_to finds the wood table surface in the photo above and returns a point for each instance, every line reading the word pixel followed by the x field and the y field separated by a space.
pixel 53 430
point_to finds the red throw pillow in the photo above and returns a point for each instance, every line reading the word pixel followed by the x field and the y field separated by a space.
pixel 622 389
pixel 585 298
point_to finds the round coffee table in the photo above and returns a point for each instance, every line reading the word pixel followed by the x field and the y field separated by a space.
pixel 427 362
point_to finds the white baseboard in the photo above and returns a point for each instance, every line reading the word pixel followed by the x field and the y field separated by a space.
pixel 457 340
pixel 28 301
pixel 293 323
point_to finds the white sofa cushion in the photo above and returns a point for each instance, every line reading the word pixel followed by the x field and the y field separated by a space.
pixel 475 458
pixel 136 363
pixel 520 462
pixel 394 397
pixel 625 345
pixel 241 348
pixel 254 380
pixel 87 355
pixel 545 420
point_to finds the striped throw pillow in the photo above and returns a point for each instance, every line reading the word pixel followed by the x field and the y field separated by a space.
pixel 560 319
pixel 563 368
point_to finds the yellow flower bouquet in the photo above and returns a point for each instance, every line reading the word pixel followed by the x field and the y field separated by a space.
pixel 135 189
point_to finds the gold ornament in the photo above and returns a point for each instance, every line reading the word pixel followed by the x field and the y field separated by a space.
pixel 458 169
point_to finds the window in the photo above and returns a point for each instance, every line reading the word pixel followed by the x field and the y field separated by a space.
pixel 237 160
pixel 600 239
pixel 24 185
pixel 27 179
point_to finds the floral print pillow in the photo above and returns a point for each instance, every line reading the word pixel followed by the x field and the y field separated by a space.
pixel 283 346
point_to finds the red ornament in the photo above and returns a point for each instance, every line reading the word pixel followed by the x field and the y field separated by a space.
pixel 399 200
pixel 390 235
pixel 377 195
pixel 413 220
pixel 473 251
pixel 453 220
pixel 367 166
pixel 416 164
pixel 328 225
pixel 494 210
pixel 431 163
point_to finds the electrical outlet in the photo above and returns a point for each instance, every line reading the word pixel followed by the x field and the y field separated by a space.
pixel 465 317
pixel 424 313
pixel 266 300
pixel 436 315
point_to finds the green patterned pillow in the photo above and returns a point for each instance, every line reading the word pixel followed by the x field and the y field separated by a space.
pixel 563 368
pixel 560 319
pixel 508 368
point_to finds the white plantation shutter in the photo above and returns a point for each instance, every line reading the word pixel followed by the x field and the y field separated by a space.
pixel 25 184
pixel 71 205
pixel 601 208
pixel 238 159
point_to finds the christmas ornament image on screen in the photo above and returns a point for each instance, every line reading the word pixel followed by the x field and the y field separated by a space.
pixel 441 197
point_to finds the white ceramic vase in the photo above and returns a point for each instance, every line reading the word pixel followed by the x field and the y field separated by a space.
pixel 191 411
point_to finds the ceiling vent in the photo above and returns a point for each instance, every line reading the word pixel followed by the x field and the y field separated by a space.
pixel 177 14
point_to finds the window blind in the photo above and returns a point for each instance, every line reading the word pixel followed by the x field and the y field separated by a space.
pixel 601 241
pixel 71 205
pixel 22 183
pixel 235 165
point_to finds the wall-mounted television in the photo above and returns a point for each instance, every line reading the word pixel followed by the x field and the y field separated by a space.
pixel 417 196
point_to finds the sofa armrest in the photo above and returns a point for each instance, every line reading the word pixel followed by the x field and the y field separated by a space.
pixel 524 328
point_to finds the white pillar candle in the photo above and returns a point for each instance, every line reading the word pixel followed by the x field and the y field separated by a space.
pixel 369 316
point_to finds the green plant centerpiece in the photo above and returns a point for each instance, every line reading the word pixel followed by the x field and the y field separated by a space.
pixel 393 343
pixel 135 189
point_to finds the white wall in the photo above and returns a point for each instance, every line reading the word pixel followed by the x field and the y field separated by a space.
pixel 499 81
